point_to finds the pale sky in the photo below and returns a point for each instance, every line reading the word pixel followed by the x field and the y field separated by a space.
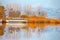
pixel 34 3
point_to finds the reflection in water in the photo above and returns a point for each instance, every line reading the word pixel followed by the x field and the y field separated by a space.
pixel 15 31
pixel 2 27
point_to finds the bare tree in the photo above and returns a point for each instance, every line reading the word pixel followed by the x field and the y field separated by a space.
pixel 41 12
pixel 14 9
pixel 39 9
pixel 28 9
pixel 44 13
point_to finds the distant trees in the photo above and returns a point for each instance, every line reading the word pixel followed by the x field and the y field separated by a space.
pixel 14 9
pixel 39 10
pixel 15 6
pixel 28 9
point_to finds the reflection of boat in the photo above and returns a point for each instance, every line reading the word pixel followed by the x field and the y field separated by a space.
pixel 16 24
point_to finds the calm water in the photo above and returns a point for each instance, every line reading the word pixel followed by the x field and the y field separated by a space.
pixel 14 31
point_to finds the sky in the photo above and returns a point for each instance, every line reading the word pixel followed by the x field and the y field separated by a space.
pixel 34 3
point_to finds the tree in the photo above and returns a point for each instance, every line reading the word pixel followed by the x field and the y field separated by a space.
pixel 28 9
pixel 2 14
pixel 14 9
pixel 39 9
